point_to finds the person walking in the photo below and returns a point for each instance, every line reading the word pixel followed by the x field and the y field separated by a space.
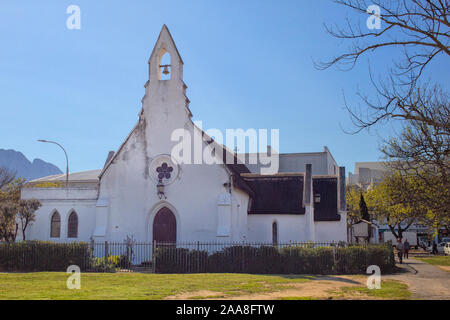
pixel 406 248
pixel 399 247
pixel 435 249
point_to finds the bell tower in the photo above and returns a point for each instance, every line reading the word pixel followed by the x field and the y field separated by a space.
pixel 165 63
pixel 165 91
pixel 165 107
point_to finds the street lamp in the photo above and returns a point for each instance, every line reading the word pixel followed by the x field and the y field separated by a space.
pixel 67 159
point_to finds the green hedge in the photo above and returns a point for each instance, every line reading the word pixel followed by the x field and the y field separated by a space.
pixel 43 256
pixel 271 260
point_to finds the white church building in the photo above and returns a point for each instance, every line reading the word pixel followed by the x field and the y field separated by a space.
pixel 144 192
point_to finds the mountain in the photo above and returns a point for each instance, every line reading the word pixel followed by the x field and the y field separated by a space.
pixel 16 161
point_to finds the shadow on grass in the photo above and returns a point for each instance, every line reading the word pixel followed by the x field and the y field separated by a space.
pixel 314 277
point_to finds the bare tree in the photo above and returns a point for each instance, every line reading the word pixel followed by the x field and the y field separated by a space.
pixel 423 151
pixel 424 146
pixel 6 176
pixel 420 154
pixel 420 29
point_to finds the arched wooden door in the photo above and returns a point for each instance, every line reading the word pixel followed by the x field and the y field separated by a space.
pixel 165 226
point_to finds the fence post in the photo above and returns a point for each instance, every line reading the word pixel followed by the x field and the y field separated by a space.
pixel 243 257
pixel 334 258
pixel 198 256
pixel 92 251
pixel 106 252
pixel 153 257
pixel 290 249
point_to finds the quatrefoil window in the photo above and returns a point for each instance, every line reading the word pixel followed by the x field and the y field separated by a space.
pixel 164 171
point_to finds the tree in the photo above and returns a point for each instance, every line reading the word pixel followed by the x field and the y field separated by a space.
pixel 6 176
pixel 352 198
pixel 396 202
pixel 26 215
pixel 421 153
pixel 364 212
pixel 8 226
pixel 14 211
pixel 423 150
pixel 420 28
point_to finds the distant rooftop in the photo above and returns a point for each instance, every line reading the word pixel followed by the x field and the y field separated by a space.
pixel 373 165
pixel 82 176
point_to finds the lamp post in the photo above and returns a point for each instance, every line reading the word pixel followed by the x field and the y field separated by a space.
pixel 67 158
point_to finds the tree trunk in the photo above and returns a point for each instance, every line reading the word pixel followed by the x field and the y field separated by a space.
pixel 393 231
pixel 400 232
pixel 24 227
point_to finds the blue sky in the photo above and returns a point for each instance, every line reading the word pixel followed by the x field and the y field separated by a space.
pixel 248 64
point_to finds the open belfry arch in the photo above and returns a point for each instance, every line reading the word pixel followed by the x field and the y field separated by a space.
pixel 144 193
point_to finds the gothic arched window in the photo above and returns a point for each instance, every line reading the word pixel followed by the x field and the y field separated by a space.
pixel 55 225
pixel 72 227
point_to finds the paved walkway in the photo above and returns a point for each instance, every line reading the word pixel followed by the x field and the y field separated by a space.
pixel 425 281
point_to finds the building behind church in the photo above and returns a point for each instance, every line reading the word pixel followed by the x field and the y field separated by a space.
pixel 143 192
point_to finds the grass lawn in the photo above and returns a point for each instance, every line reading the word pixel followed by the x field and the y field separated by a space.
pixel 443 262
pixel 437 260
pixel 390 289
pixel 52 285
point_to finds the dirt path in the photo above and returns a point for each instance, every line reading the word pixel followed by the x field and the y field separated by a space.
pixel 424 280
pixel 319 287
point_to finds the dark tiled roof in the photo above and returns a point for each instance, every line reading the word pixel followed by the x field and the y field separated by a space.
pixel 326 209
pixel 276 195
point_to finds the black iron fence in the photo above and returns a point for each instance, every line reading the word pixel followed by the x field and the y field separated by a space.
pixel 105 256
pixel 266 258
pixel 195 257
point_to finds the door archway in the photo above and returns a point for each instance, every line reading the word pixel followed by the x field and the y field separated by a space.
pixel 165 226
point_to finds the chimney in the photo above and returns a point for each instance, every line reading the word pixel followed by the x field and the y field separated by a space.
pixel 308 184
pixel 342 199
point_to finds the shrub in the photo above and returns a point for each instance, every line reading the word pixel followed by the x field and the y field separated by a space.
pixel 356 259
pixel 111 264
pixel 350 260
pixel 43 256
pixel 248 259
pixel 382 256
pixel 170 259
pixel 305 259
pixel 267 260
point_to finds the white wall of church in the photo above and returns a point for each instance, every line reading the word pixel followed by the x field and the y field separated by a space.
pixel 193 198
pixel 329 231
pixel 290 227
pixel 293 228
pixel 82 201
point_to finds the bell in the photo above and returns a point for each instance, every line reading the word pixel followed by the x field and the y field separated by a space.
pixel 166 70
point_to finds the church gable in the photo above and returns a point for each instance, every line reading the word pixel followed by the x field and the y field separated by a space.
pixel 164 108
